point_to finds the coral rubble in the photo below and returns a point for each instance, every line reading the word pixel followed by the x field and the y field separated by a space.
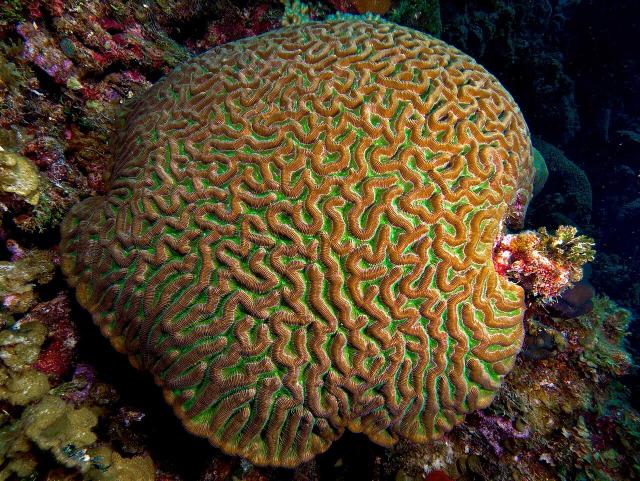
pixel 18 277
pixel 19 176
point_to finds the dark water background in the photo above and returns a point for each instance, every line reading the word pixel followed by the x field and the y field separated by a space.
pixel 574 69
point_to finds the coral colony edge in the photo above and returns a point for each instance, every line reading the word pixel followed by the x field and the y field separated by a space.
pixel 298 238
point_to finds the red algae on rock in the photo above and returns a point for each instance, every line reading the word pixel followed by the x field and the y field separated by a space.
pixel 437 476
pixel 56 356
pixel 544 265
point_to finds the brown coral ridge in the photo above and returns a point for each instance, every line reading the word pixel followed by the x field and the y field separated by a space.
pixel 298 235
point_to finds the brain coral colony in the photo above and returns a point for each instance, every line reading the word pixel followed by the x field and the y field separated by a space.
pixel 300 235
pixel 298 238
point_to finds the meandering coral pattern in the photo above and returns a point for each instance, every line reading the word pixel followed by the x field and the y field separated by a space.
pixel 298 238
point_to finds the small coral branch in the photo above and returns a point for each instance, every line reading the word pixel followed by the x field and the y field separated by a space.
pixel 543 264
pixel 295 13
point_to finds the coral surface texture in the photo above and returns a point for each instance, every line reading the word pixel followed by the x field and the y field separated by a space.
pixel 297 238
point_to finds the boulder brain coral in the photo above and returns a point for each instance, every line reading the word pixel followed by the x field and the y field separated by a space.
pixel 297 238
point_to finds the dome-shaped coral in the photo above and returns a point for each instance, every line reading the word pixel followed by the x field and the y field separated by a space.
pixel 298 237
